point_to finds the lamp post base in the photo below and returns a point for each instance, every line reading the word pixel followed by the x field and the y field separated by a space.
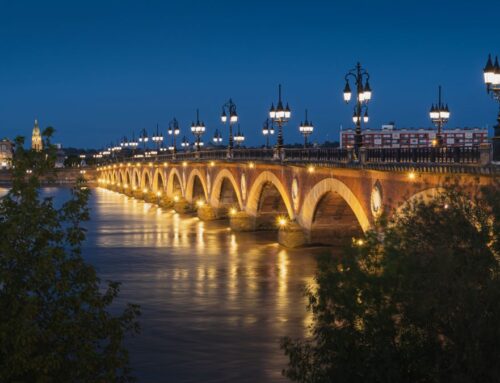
pixel 279 154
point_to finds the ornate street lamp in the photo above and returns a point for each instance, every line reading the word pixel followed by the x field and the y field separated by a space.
pixel 363 96
pixel 198 129
pixel 492 81
pixel 157 138
pixel 173 130
pixel 144 138
pixel 239 137
pixel 133 144
pixel 217 137
pixel 230 108
pixel 185 143
pixel 267 130
pixel 439 114
pixel 124 142
pixel 280 115
pixel 306 128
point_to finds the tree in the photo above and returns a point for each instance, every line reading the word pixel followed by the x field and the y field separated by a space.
pixel 418 303
pixel 55 321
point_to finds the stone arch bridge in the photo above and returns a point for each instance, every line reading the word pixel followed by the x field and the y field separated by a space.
pixel 312 204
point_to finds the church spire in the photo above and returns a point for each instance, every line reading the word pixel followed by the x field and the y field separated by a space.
pixel 36 138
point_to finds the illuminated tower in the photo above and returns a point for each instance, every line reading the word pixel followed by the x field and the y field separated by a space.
pixel 36 138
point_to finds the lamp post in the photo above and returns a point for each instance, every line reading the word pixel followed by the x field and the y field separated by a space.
pixel 306 128
pixel 363 96
pixel 230 108
pixel 239 137
pixel 133 144
pixel 173 130
pixel 279 115
pixel 217 137
pixel 157 138
pixel 492 81
pixel 198 129
pixel 144 138
pixel 439 114
pixel 185 143
pixel 267 130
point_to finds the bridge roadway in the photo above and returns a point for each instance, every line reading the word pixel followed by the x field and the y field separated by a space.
pixel 312 196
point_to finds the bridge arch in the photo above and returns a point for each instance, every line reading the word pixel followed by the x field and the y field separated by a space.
pixel 122 177
pixel 331 211
pixel 223 181
pixel 425 195
pixel 159 183
pixel 174 184
pixel 146 179
pixel 136 178
pixel 267 180
pixel 196 185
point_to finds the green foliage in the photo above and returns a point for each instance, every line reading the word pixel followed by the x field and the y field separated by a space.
pixel 55 320
pixel 418 303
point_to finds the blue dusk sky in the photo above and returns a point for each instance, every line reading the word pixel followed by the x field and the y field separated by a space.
pixel 98 70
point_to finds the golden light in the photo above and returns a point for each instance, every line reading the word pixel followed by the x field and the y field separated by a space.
pixel 310 169
pixel 232 211
pixel 411 175
pixel 138 164
pixel 150 164
pixel 176 198
pixel 434 142
pixel 184 164
pixel 282 221
pixel 158 194
pixel 446 206
pixel 128 164
pixel 358 242
pixel 251 165
pixel 133 188
pixel 212 163
pixel 145 190
pixel 200 203
pixel 125 186
pixel 165 164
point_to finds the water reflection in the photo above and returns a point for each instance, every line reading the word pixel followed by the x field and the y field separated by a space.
pixel 214 303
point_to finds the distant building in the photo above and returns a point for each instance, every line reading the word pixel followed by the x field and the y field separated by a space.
pixel 36 138
pixel 6 153
pixel 60 156
pixel 390 137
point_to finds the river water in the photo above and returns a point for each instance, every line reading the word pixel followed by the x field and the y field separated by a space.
pixel 214 303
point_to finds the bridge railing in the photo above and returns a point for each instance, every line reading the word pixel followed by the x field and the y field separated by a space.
pixel 444 155
pixel 317 155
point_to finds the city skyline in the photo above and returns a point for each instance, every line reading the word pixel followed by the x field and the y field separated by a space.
pixel 97 73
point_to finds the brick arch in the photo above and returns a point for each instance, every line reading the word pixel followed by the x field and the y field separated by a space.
pixel 135 176
pixel 425 195
pixel 128 177
pixel 255 193
pixel 319 190
pixel 217 184
pixel 170 182
pixel 157 177
pixel 146 179
pixel 190 184
pixel 122 177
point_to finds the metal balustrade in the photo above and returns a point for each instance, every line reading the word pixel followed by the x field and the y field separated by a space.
pixel 443 155
pixel 410 156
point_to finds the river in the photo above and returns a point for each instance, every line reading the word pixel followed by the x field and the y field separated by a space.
pixel 214 303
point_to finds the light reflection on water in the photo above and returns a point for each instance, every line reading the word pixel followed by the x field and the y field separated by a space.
pixel 214 303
